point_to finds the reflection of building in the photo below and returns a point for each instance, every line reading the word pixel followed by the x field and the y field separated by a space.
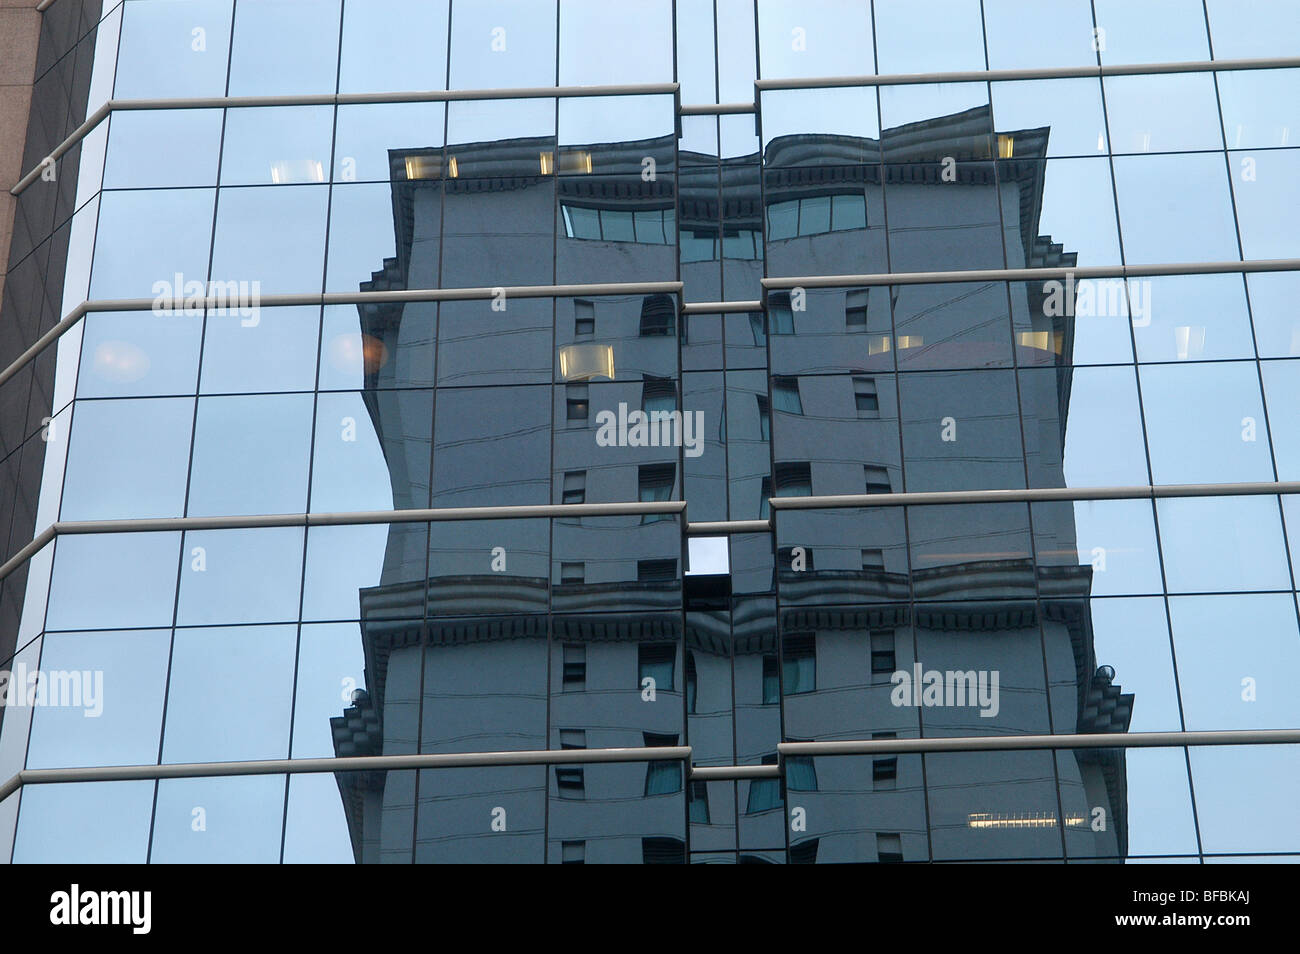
pixel 463 656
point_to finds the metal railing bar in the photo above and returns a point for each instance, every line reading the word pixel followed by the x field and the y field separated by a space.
pixel 1032 274
pixel 1006 743
pixel 1030 73
pixel 364 763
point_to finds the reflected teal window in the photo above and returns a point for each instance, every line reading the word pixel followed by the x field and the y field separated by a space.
pixel 771 681
pixel 764 793
pixel 643 226
pixel 794 479
pixel 782 220
pixel 815 215
pixel 764 417
pixel 659 394
pixel 699 803
pixel 662 778
pixel 657 661
pixel 581 223
pixel 741 243
pixel 800 664
pixel 655 484
pixel 570 781
pixel 800 774
pixel 758 327
pixel 616 225
pixel 692 682
pixel 780 313
pixel 785 395
pixel 876 479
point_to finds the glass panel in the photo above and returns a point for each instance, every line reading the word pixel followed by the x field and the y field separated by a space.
pixel 173 48
pixel 961 430
pixel 130 261
pixel 951 37
pixel 233 820
pixel 271 240
pixel 1137 108
pixel 204 664
pixel 489 815
pixel 103 699
pixel 1075 224
pixel 137 353
pixel 1190 317
pixel 251 455
pixel 1205 423
pixel 954 545
pixel 127 458
pixel 1252 28
pixel 1160 224
pixel 1103 428
pixel 1023 34
pixel 477 429
pixel 284 47
pixel 1264 186
pixel 502 44
pixel 1243 797
pixel 268 349
pixel 279 145
pixel 113 581
pixel 1277 326
pixel 1213 544
pixel 1234 677
pixel 602 43
pixel 1259 107
pixel 1160 31
pixel 376 56
pixel 365 136
pixel 173 147
pixel 84 823
pixel 1115 540
pixel 241 576
pixel 1282 391
pixel 1070 109
pixel 828 38
pixel 495 568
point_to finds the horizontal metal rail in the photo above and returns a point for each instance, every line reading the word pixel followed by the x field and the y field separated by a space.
pixel 336 99
pixel 701 528
pixel 1035 495
pixel 717 527
pixel 643 89
pixel 717 307
pixel 716 109
pixel 682 753
pixel 1051 72
pixel 1032 274
pixel 731 773
pixel 363 763
pixel 1009 743
pixel 336 519
pixel 408 295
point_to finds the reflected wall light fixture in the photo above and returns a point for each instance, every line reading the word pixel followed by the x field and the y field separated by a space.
pixel 582 362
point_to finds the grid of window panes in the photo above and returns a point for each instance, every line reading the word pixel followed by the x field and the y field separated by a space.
pixel 493 635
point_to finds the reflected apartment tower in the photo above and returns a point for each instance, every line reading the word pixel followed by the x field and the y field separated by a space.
pixel 475 625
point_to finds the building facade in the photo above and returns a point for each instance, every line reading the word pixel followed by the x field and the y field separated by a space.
pixel 718 431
